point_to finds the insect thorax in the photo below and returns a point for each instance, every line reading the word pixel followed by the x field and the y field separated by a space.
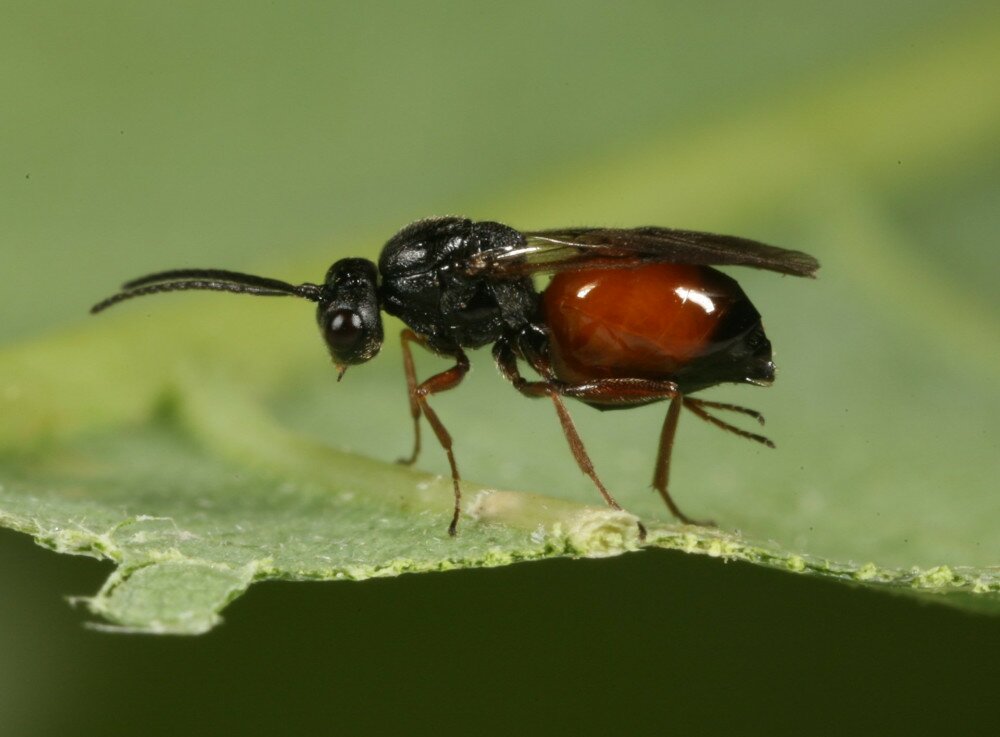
pixel 426 283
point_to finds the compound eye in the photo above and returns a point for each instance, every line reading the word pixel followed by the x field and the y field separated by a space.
pixel 343 330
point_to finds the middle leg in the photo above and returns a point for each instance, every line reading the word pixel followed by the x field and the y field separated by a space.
pixel 610 391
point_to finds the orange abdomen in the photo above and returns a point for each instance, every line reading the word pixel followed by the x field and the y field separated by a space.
pixel 654 321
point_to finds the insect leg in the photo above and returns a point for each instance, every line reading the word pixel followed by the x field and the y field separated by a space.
pixel 411 386
pixel 697 406
pixel 608 391
pixel 661 472
pixel 641 391
pixel 725 406
pixel 438 383
pixel 506 361
pixel 579 451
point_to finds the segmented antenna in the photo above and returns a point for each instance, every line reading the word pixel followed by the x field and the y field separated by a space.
pixel 216 280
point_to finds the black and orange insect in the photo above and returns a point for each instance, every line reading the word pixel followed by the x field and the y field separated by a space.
pixel 630 317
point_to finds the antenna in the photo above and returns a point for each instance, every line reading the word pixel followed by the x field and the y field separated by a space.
pixel 216 280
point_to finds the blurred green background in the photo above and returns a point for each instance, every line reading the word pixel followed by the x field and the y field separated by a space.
pixel 278 137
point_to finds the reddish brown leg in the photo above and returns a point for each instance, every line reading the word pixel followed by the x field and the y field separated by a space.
pixel 411 390
pixel 697 407
pixel 610 391
pixel 661 472
pixel 579 452
pixel 725 406
pixel 418 405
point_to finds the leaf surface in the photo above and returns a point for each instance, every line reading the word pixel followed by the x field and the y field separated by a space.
pixel 164 439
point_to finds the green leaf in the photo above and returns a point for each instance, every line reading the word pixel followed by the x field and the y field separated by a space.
pixel 202 444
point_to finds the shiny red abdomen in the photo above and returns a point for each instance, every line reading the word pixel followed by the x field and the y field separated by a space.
pixel 654 321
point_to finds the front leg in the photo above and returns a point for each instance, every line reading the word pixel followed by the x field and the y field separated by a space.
pixel 419 393
pixel 411 392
